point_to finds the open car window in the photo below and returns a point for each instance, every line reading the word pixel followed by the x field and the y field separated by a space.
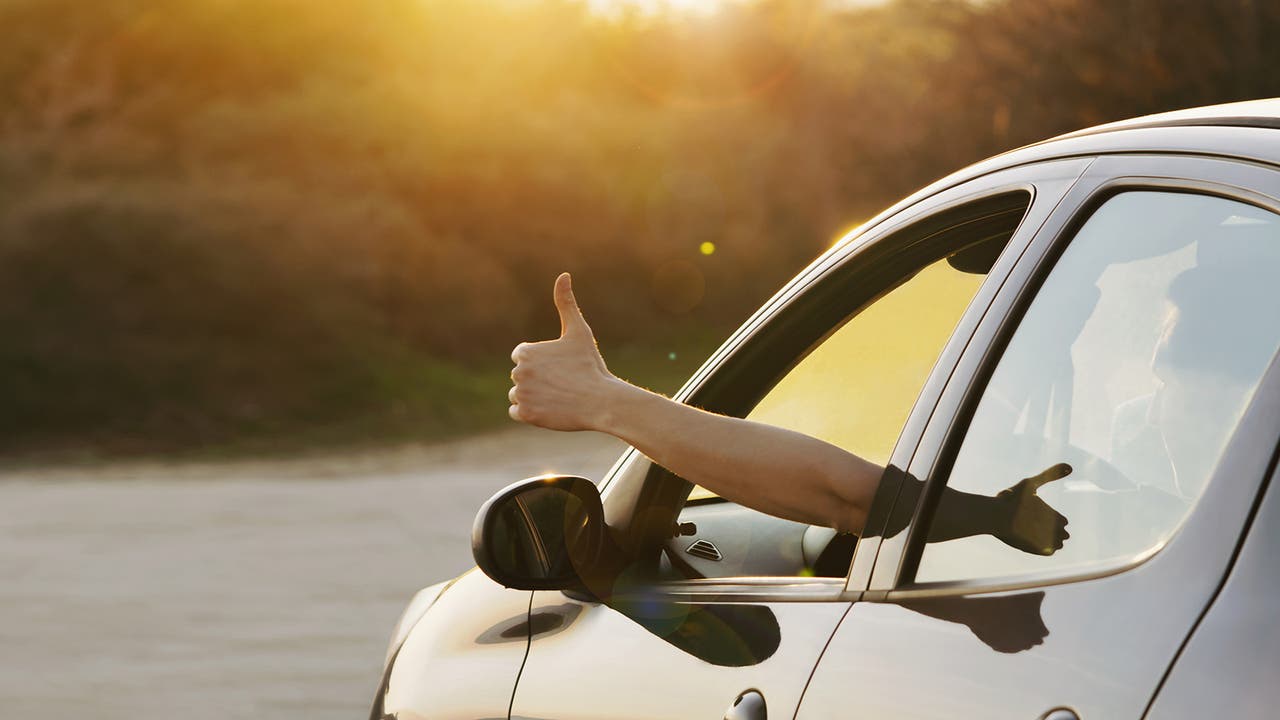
pixel 856 388
pixel 853 388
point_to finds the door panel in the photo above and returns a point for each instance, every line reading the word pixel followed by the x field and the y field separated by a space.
pixel 1096 632
pixel 649 658
pixel 1018 654
pixel 1229 666
pixel 1098 646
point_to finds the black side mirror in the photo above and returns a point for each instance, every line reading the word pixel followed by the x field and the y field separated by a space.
pixel 544 533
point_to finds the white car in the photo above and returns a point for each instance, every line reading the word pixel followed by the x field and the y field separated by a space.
pixel 1065 358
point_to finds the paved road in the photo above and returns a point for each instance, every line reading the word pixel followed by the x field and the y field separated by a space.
pixel 249 590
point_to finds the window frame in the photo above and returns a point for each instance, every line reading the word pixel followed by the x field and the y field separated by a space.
pixel 893 576
pixel 871 252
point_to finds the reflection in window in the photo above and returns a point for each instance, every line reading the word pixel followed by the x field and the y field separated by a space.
pixel 1133 365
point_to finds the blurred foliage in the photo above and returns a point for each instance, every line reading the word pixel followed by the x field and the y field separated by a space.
pixel 243 221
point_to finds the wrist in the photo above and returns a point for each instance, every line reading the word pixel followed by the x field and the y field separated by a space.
pixel 616 402
pixel 998 517
pixel 962 514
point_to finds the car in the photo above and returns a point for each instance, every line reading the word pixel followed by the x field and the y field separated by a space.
pixel 1065 359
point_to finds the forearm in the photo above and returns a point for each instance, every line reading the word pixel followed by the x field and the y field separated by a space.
pixel 776 471
pixel 1015 516
pixel 959 514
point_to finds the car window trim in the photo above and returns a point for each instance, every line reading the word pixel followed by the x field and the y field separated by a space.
pixel 753 589
pixel 886 270
pixel 1031 179
pixel 755 336
pixel 893 576
pixel 888 500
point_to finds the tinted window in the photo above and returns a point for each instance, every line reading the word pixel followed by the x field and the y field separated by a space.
pixel 1117 394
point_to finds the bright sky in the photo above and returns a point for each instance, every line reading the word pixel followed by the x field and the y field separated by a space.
pixel 697 6
pixel 701 7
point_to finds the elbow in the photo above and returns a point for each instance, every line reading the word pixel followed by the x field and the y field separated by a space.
pixel 850 516
pixel 851 487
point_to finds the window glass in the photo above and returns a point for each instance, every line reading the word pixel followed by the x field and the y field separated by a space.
pixel 1117 394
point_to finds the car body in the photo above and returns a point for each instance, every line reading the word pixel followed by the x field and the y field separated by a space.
pixel 1102 303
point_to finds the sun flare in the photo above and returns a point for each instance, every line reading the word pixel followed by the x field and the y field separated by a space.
pixel 700 7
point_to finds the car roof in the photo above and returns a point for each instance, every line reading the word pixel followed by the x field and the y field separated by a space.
pixel 1244 130
pixel 1247 130
pixel 1249 113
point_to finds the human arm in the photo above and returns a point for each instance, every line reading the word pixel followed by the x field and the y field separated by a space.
pixel 1016 516
pixel 771 469
pixel 563 384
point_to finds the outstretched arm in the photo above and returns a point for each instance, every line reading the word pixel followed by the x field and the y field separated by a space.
pixel 563 384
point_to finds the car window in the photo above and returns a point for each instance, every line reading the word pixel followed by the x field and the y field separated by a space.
pixel 1115 397
pixel 853 389
pixel 856 388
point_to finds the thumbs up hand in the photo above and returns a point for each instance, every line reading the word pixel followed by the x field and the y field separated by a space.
pixel 561 384
pixel 1029 523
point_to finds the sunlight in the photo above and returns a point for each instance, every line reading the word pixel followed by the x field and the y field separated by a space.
pixel 694 7
pixel 700 7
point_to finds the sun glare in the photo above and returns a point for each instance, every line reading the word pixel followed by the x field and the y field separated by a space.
pixel 692 7
pixel 700 7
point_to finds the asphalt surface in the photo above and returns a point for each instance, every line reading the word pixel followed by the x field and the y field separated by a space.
pixel 244 590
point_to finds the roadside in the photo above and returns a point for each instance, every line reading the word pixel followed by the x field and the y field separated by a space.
pixel 241 589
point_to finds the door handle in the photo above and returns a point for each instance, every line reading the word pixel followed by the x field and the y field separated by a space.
pixel 1060 714
pixel 748 706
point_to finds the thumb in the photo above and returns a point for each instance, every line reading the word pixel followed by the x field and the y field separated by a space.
pixel 571 321
pixel 1056 472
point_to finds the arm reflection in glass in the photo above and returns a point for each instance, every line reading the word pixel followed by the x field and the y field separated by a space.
pixel 1016 516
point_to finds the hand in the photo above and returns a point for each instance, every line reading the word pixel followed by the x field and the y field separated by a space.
pixel 561 384
pixel 1032 525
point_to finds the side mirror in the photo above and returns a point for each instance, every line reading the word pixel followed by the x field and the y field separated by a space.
pixel 544 533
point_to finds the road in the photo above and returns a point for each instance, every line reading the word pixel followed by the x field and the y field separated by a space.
pixel 240 590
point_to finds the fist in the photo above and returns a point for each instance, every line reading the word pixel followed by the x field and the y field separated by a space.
pixel 561 384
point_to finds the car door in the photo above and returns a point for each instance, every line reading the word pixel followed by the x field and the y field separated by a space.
pixel 1079 490
pixel 696 630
